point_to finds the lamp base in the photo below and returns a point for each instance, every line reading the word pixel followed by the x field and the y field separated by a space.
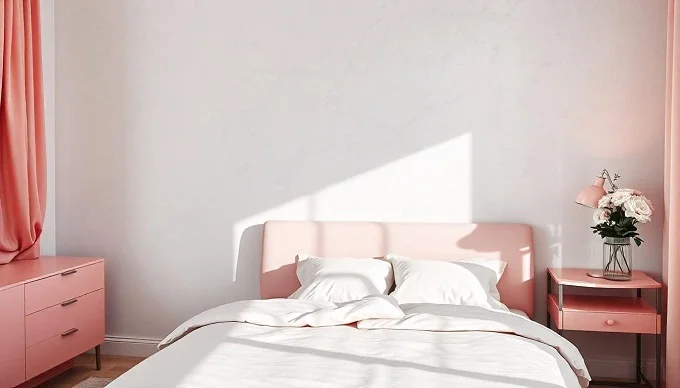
pixel 595 274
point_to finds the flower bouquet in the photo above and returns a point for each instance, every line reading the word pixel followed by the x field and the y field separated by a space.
pixel 615 218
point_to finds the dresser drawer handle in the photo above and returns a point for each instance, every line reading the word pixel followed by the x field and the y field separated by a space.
pixel 610 322
pixel 68 302
pixel 69 272
pixel 69 332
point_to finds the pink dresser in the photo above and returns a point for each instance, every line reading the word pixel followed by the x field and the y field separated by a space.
pixel 51 310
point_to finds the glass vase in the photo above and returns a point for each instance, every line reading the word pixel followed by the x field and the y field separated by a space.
pixel 617 258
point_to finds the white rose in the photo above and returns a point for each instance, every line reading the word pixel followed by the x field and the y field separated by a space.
pixel 619 197
pixel 633 191
pixel 638 207
pixel 601 216
pixel 605 201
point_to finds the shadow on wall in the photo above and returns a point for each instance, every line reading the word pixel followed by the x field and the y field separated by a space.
pixel 246 270
pixel 168 160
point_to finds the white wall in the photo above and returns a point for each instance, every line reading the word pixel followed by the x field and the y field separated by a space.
pixel 183 125
pixel 48 238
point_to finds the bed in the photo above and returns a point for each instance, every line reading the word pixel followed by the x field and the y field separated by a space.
pixel 246 345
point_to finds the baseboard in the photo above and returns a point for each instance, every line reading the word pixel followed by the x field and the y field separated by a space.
pixel 619 368
pixel 129 346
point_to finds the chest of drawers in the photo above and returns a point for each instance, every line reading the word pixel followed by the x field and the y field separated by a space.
pixel 51 310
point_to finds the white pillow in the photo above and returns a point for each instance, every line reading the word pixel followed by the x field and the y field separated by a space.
pixel 342 279
pixel 469 282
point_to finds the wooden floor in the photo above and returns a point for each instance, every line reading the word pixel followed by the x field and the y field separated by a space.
pixel 112 367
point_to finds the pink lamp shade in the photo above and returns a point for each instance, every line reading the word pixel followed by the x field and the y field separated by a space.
pixel 592 194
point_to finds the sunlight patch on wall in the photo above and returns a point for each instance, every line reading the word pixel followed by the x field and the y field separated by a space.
pixel 433 185
pixel 555 244
pixel 527 273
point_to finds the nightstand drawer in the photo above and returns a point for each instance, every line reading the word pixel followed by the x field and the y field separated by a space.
pixel 608 314
pixel 70 284
pixel 55 320
pixel 611 322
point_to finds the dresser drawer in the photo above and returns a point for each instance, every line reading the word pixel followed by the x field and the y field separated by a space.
pixel 611 322
pixel 69 284
pixel 68 344
pixel 54 320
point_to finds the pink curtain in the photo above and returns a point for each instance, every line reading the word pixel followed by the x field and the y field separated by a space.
pixel 671 265
pixel 22 138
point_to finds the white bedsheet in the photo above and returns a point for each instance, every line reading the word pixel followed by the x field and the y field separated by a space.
pixel 238 354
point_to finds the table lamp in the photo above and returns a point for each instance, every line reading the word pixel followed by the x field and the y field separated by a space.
pixel 589 196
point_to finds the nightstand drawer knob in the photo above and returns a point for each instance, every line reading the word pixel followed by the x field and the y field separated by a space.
pixel 610 322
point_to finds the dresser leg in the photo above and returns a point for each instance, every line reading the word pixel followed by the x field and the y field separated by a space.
pixel 98 356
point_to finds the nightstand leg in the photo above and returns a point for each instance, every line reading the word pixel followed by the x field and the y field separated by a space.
pixel 98 356
pixel 547 313
pixel 658 360
pixel 638 357
pixel 560 297
pixel 638 348
pixel 560 302
pixel 658 342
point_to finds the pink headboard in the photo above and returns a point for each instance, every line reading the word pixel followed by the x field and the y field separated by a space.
pixel 512 243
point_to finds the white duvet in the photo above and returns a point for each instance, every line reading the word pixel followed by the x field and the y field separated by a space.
pixel 293 343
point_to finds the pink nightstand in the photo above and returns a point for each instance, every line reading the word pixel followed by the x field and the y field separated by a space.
pixel 606 313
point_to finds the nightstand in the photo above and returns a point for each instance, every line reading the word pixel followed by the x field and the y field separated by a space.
pixel 610 314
